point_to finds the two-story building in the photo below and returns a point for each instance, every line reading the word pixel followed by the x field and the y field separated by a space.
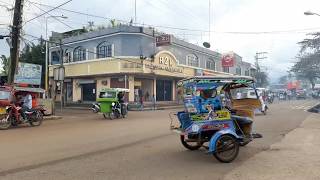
pixel 130 57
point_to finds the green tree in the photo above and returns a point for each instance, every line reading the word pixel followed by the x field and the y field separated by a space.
pixel 308 68
pixel 35 54
pixel 262 79
pixel 308 65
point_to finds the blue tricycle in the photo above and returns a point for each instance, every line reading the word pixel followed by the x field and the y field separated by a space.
pixel 215 116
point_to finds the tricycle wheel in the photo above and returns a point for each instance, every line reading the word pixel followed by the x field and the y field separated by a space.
pixel 227 148
pixel 105 115
pixel 5 123
pixel 190 145
pixel 112 115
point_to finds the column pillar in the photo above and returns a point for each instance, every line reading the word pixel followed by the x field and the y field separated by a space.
pixel 174 92
pixel 131 88
pixel 155 87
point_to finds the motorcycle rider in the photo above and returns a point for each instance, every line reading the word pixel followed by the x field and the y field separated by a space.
pixel 121 100
pixel 26 106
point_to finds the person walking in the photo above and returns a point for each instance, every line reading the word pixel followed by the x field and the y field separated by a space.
pixel 141 103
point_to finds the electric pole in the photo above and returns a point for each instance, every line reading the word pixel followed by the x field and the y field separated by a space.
pixel 15 35
pixel 258 56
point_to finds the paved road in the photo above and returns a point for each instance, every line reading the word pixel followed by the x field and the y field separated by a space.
pixel 85 146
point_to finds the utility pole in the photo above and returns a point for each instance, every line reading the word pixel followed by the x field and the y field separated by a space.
pixel 259 56
pixel 135 12
pixel 15 35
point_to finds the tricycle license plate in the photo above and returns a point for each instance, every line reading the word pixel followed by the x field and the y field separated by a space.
pixel 3 111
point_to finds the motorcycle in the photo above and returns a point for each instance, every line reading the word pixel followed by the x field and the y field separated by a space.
pixel 95 107
pixel 270 99
pixel 118 110
pixel 12 117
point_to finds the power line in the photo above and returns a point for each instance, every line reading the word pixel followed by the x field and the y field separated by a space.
pixel 46 12
pixel 187 29
pixel 57 19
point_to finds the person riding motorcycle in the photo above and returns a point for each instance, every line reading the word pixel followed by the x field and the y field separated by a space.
pixel 26 106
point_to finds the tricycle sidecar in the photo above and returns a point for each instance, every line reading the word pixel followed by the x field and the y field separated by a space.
pixel 213 116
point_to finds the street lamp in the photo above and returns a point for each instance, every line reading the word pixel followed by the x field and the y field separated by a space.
pixel 309 13
pixel 46 57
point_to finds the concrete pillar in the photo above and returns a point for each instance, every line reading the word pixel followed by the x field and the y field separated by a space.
pixel 174 90
pixel 76 91
pixel 103 83
pixel 154 87
pixel 131 88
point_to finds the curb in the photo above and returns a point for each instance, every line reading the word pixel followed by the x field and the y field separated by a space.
pixel 157 108
pixel 315 109
pixel 52 118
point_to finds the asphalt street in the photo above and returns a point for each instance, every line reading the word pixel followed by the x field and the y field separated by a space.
pixel 83 145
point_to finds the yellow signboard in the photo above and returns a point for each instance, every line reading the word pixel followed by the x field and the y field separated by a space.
pixel 223 115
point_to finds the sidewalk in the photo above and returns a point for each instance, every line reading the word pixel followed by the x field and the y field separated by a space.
pixel 132 107
pixel 296 157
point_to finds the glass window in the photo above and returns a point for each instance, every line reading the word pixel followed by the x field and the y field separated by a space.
pixel 208 93
pixel 107 94
pixel 67 56
pixel 238 70
pixel 226 69
pixel 247 73
pixel 55 57
pixel 104 50
pixel 5 95
pixel 192 60
pixel 79 54
pixel 210 64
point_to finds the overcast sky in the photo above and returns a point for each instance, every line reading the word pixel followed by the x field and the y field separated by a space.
pixel 232 22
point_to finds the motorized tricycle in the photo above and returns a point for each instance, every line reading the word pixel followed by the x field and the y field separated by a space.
pixel 11 106
pixel 111 103
pixel 215 116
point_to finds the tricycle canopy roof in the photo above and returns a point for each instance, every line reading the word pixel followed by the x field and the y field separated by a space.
pixel 26 89
pixel 218 79
pixel 115 89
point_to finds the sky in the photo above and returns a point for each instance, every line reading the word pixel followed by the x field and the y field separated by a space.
pixel 242 26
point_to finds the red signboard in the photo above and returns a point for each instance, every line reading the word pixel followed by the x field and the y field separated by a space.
pixel 227 60
pixel 163 40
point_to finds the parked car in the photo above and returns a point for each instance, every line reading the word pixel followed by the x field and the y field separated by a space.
pixel 301 94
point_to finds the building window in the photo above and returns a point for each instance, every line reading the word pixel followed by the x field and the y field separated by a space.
pixel 210 64
pixel 67 56
pixel 104 50
pixel 55 57
pixel 247 73
pixel 79 54
pixel 238 70
pixel 192 60
pixel 226 69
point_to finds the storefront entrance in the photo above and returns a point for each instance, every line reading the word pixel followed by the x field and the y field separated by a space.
pixel 164 90
pixel 89 92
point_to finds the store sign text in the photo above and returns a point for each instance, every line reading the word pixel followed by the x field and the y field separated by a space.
pixel 165 60
pixel 164 68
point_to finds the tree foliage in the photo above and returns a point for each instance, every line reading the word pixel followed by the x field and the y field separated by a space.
pixel 34 54
pixel 308 65
pixel 262 79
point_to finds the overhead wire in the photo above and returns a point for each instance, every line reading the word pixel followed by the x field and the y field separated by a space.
pixel 46 12
pixel 183 29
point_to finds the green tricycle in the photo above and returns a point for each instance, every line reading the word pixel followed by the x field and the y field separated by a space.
pixel 111 103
